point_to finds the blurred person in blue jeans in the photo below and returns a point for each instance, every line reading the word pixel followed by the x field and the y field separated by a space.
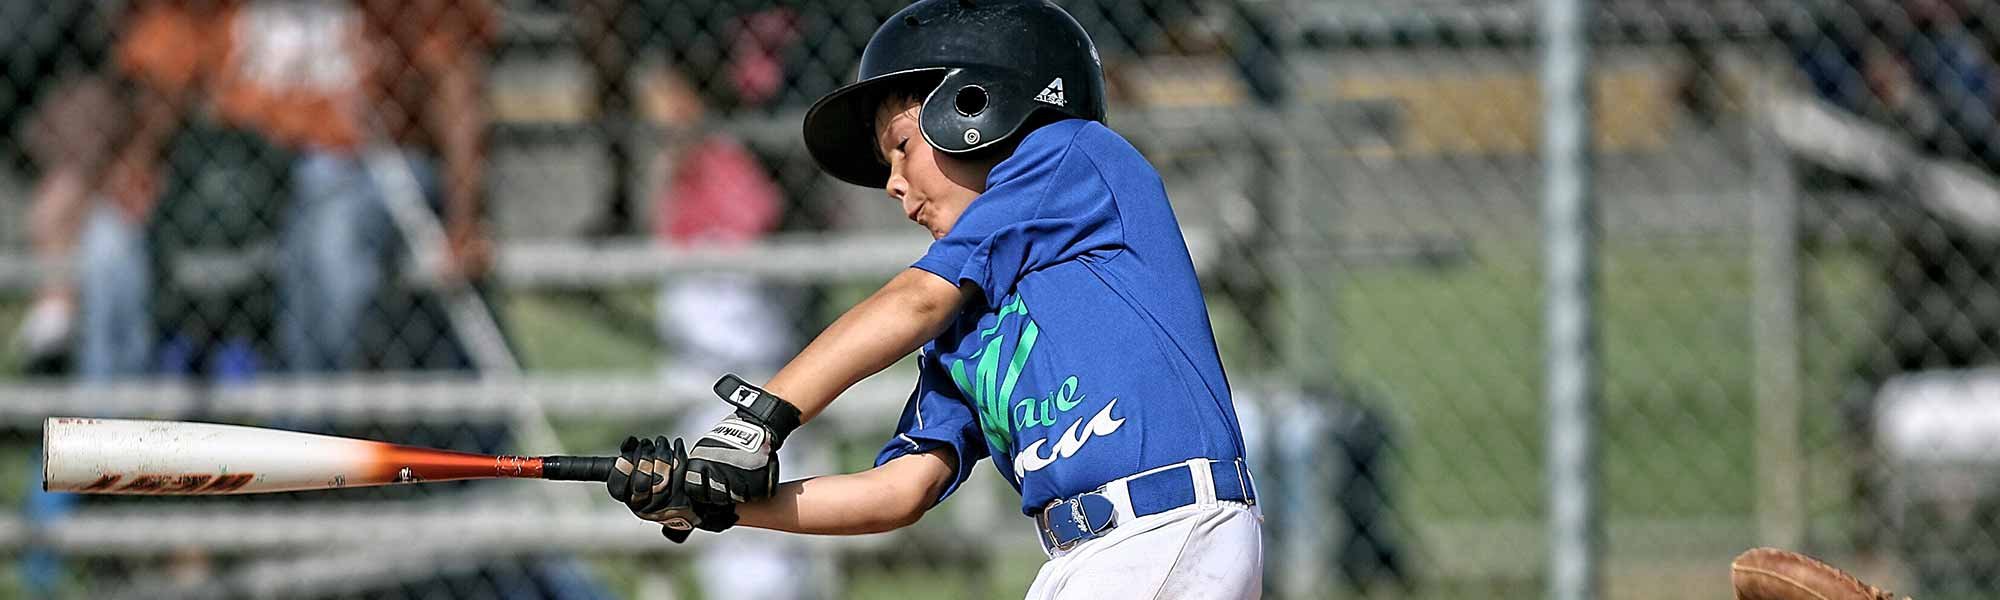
pixel 323 83
pixel 263 116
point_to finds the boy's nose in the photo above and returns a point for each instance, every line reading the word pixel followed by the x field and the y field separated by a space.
pixel 897 188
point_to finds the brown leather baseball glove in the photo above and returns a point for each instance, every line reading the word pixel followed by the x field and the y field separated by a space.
pixel 1773 574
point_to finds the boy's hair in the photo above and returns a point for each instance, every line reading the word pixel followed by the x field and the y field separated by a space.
pixel 908 91
pixel 903 93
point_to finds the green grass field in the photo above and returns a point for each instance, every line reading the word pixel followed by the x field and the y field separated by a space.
pixel 1454 356
pixel 1457 355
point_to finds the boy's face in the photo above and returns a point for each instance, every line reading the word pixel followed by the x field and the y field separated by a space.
pixel 934 188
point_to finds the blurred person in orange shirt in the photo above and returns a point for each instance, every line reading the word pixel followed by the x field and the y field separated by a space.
pixel 331 81
pixel 335 86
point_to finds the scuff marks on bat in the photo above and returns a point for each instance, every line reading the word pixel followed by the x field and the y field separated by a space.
pixel 103 482
pixel 229 482
pixel 510 466
pixel 175 484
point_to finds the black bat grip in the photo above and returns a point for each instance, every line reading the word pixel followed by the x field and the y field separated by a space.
pixel 578 468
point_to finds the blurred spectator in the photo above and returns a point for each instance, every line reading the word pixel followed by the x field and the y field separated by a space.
pixel 1837 59
pixel 61 121
pixel 1927 68
pixel 1952 79
pixel 63 116
pixel 323 85
pixel 739 57
pixel 1939 270
pixel 306 122
pixel 717 192
pixel 1922 66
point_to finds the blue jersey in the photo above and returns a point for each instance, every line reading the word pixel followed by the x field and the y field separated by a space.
pixel 1089 356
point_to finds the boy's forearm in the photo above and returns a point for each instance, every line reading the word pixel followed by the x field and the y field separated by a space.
pixel 882 499
pixel 913 308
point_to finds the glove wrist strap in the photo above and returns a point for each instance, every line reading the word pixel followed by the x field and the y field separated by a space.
pixel 755 403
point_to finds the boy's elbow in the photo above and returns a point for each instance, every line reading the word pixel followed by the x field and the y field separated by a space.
pixel 913 508
pixel 909 487
pixel 903 508
pixel 890 513
pixel 897 519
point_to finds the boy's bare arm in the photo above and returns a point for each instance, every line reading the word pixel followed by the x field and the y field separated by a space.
pixel 881 499
pixel 908 311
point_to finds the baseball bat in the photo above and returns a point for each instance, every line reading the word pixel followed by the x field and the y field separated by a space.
pixel 179 458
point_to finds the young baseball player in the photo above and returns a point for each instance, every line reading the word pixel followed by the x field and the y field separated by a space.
pixel 1060 328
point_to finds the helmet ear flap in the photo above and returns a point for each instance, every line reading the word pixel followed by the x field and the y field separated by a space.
pixel 972 111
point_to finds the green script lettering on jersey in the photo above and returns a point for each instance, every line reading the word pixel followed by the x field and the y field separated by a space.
pixel 990 389
pixel 987 387
pixel 1055 403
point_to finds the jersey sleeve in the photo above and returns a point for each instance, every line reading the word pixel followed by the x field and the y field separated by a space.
pixel 936 417
pixel 1045 205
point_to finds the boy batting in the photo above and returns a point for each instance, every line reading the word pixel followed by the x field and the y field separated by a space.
pixel 1059 327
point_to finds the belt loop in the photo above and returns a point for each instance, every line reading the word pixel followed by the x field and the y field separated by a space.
pixel 1203 480
pixel 1243 483
pixel 1120 495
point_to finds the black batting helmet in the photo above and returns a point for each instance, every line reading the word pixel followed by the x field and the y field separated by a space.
pixel 997 63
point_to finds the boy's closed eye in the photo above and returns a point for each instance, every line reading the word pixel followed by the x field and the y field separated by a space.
pixel 884 158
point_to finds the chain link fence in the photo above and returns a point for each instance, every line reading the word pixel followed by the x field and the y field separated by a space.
pixel 537 226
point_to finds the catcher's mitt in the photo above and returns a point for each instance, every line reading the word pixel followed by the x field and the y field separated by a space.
pixel 1773 574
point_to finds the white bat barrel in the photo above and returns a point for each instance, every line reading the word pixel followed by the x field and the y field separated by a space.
pixel 119 456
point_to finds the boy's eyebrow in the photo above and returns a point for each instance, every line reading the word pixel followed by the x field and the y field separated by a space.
pixel 875 147
pixel 875 143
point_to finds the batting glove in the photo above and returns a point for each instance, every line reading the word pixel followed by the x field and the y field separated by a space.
pixel 737 461
pixel 648 478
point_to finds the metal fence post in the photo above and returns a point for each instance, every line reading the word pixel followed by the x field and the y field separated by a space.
pixel 1570 233
pixel 1774 269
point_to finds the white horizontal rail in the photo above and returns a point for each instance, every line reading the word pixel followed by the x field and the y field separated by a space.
pixel 584 264
pixel 1815 131
pixel 415 398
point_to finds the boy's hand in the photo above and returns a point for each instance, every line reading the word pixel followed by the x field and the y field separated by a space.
pixel 648 479
pixel 737 461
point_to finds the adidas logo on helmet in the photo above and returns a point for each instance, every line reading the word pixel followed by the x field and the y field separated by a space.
pixel 1053 94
